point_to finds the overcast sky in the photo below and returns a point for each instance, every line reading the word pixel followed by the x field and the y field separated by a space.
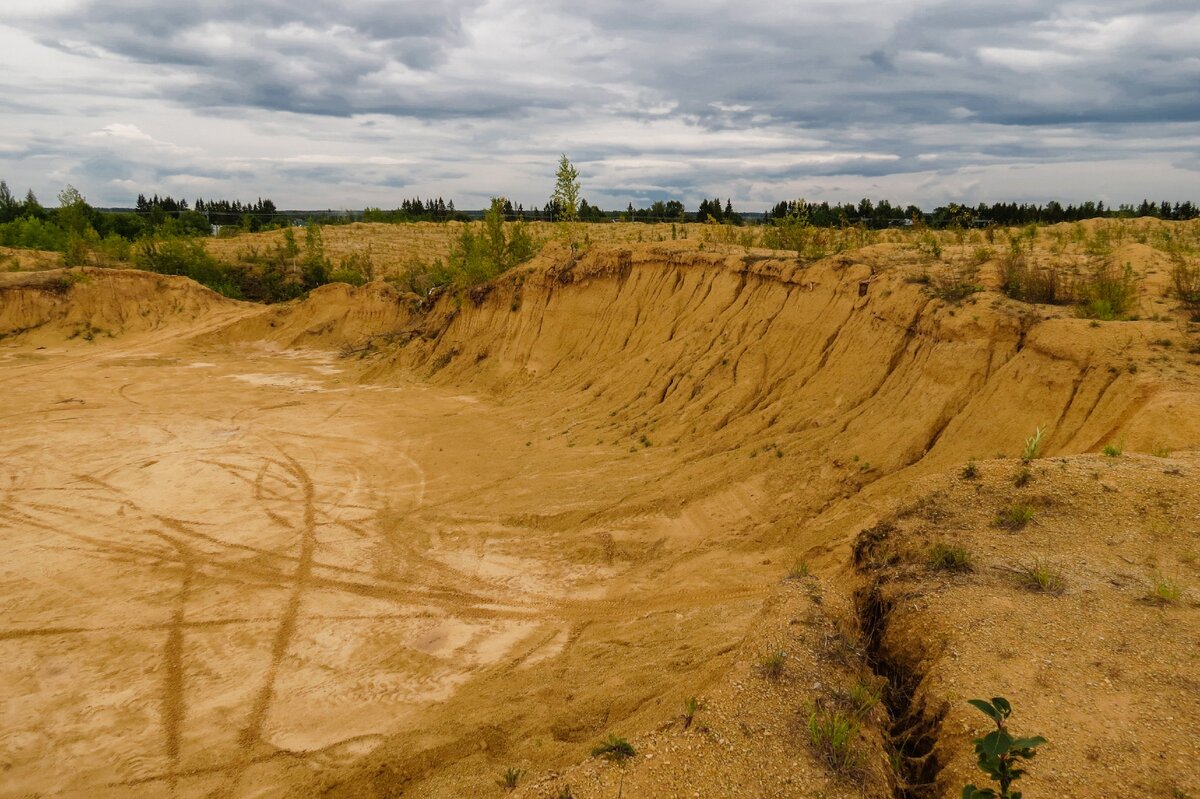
pixel 320 104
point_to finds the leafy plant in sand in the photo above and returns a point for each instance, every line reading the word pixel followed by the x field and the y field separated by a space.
pixel 999 754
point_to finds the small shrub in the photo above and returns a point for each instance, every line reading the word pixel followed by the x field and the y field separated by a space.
pixel 1021 281
pixel 564 793
pixel 970 471
pixel 832 734
pixel 1185 280
pixel 1112 450
pixel 1041 576
pixel 947 557
pixel 772 665
pixel 1164 591
pixel 508 780
pixel 1022 478
pixel 1160 450
pixel 998 753
pixel 614 748
pixel 1015 516
pixel 1107 293
pixel 956 283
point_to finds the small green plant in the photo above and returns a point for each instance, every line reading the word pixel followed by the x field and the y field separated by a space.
pixel 948 557
pixel 691 706
pixel 772 665
pixel 863 698
pixel 1022 477
pixel 832 734
pixel 614 748
pixel 1033 445
pixel 1164 591
pixel 998 753
pixel 1015 516
pixel 1160 450
pixel 799 570
pixel 1112 450
pixel 970 471
pixel 1041 576
pixel 509 779
pixel 564 793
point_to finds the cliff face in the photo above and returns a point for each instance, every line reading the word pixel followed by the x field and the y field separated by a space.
pixel 847 355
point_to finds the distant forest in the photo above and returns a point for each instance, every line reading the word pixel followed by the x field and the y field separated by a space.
pixel 27 223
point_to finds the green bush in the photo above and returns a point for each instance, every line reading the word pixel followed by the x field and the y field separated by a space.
pixel 1107 292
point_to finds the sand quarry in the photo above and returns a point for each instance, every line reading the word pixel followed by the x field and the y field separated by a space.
pixel 369 545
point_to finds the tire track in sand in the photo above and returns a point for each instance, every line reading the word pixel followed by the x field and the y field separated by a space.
pixel 251 734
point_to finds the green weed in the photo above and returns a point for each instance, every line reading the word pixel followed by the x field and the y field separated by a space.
pixel 998 753
pixel 614 748
pixel 508 780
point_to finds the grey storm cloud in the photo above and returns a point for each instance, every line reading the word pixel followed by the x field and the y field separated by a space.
pixel 469 98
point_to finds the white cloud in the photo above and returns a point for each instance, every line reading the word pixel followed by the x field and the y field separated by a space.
pixel 317 103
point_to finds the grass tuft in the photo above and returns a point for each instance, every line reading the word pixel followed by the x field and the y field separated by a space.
pixel 1164 591
pixel 1033 445
pixel 509 779
pixel 948 557
pixel 832 734
pixel 1041 576
pixel 772 665
pixel 970 471
pixel 1015 516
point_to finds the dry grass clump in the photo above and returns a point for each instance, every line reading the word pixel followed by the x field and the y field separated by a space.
pixel 1042 577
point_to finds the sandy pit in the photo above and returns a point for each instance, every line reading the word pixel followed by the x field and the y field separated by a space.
pixel 219 570
pixel 361 546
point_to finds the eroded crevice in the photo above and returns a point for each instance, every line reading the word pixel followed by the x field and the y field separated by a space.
pixel 913 726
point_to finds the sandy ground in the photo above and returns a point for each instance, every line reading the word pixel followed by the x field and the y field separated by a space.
pixel 226 565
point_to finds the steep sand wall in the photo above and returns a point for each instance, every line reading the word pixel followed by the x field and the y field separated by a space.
pixel 847 354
